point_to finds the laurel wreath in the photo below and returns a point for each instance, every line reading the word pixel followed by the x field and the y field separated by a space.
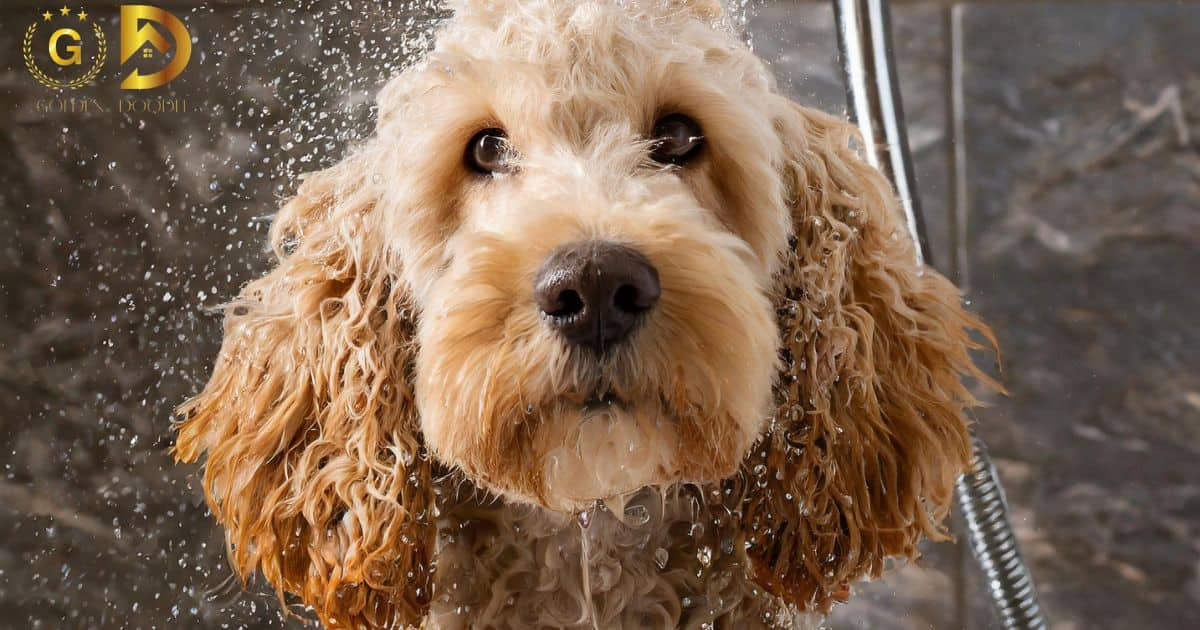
pixel 27 52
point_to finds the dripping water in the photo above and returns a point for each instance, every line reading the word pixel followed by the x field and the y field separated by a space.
pixel 585 521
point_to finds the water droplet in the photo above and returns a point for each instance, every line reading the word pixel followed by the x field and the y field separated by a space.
pixel 637 515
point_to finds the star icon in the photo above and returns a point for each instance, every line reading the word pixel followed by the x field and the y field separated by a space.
pixel 65 11
pixel 47 15
pixel 82 15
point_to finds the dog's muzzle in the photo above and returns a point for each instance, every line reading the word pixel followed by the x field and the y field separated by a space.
pixel 594 293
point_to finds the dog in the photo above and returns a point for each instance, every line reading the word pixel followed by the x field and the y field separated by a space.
pixel 597 329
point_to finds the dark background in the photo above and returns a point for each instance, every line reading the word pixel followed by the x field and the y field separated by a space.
pixel 1079 241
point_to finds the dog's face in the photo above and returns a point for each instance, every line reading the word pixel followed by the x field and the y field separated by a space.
pixel 588 249
pixel 591 249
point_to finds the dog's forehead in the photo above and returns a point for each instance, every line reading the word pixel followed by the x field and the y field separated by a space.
pixel 538 63
pixel 497 10
pixel 560 33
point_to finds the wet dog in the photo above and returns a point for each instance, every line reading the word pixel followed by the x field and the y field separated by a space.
pixel 597 329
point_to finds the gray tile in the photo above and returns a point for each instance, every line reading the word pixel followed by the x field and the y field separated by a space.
pixel 1083 237
pixel 799 43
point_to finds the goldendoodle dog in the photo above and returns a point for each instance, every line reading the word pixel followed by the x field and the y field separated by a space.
pixel 597 329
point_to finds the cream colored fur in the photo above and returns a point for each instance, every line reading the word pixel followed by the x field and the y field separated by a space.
pixel 392 434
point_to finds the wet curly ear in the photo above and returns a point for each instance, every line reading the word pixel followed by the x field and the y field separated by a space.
pixel 314 464
pixel 870 431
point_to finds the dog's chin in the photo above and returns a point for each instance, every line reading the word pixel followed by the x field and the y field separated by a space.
pixel 605 448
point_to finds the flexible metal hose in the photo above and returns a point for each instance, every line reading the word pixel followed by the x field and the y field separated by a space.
pixel 868 66
pixel 985 511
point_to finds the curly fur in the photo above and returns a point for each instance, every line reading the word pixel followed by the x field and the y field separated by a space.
pixel 658 560
pixel 392 435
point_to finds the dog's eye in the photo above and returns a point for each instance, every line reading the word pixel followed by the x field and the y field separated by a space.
pixel 488 152
pixel 677 139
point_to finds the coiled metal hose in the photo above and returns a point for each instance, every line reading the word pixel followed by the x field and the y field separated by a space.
pixel 873 95
pixel 985 511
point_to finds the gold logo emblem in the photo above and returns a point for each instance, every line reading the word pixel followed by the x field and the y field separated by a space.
pixel 63 50
pixel 138 32
pixel 64 45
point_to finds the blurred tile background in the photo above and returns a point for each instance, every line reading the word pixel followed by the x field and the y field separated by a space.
pixel 1082 248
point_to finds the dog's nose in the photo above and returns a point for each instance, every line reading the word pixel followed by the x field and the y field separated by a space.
pixel 593 292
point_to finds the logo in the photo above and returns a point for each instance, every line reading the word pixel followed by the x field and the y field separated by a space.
pixel 66 49
pixel 139 33
pixel 63 45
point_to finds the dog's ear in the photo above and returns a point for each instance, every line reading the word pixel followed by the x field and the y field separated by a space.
pixel 314 462
pixel 869 432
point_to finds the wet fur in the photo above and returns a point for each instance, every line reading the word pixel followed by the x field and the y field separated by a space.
pixel 661 560
pixel 798 395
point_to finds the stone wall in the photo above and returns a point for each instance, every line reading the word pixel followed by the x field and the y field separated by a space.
pixel 1079 241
